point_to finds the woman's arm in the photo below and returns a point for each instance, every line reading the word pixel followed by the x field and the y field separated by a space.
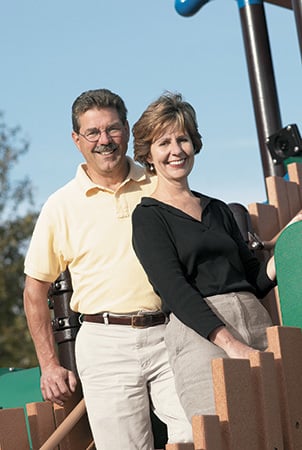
pixel 154 245
pixel 155 248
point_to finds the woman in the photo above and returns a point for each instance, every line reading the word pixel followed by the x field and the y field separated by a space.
pixel 195 257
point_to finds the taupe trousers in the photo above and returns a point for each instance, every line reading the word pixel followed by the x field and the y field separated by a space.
pixel 191 355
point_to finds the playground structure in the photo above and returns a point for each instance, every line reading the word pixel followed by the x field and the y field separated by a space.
pixel 258 407
pixel 258 401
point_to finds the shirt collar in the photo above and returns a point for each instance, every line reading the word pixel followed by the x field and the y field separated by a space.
pixel 136 174
pixel 150 201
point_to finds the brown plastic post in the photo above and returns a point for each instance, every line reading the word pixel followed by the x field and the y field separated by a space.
pixel 293 197
pixel 266 393
pixel 235 403
pixel 13 431
pixel 277 196
pixel 65 427
pixel 295 172
pixel 206 433
pixel 41 422
pixel 295 175
pixel 265 222
pixel 264 219
pixel 80 436
pixel 286 344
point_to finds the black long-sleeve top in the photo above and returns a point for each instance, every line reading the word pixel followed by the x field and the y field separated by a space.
pixel 187 259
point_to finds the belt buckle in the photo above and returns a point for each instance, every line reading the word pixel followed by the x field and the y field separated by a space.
pixel 106 318
pixel 145 318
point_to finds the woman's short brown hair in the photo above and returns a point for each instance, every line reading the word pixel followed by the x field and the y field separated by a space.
pixel 169 110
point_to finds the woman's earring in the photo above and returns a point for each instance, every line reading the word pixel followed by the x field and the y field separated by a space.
pixel 151 167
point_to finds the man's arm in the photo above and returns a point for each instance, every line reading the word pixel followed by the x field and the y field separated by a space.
pixel 57 383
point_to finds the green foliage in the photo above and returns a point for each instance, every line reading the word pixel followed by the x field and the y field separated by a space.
pixel 17 219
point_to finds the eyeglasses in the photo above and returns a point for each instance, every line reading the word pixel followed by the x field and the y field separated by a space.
pixel 94 134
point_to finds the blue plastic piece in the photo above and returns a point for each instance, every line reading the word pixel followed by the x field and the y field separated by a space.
pixel 188 8
pixel 244 3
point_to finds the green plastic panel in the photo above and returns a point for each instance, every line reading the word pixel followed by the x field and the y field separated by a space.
pixel 288 256
pixel 19 386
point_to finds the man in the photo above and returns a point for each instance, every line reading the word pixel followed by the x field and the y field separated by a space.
pixel 86 226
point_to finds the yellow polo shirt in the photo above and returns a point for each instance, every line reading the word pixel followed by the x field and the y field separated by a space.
pixel 88 228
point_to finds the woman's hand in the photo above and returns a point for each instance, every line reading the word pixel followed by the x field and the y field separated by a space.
pixel 232 346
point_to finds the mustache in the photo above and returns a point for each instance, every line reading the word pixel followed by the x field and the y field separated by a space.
pixel 105 148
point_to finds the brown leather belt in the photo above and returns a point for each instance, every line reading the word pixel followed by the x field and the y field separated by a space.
pixel 135 320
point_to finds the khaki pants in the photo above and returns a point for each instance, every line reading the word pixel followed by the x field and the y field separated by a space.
pixel 191 355
pixel 122 369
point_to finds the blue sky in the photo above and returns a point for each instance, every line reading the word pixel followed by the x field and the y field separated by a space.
pixel 53 51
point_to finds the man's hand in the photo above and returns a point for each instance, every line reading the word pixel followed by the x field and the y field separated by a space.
pixel 57 384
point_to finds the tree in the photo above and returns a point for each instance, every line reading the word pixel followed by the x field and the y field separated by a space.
pixel 17 218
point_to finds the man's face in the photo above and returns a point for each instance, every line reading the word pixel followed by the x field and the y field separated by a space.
pixel 103 141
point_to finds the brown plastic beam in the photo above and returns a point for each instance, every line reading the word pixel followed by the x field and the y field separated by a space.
pixel 284 3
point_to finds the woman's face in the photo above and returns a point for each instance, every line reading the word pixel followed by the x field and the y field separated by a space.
pixel 172 154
